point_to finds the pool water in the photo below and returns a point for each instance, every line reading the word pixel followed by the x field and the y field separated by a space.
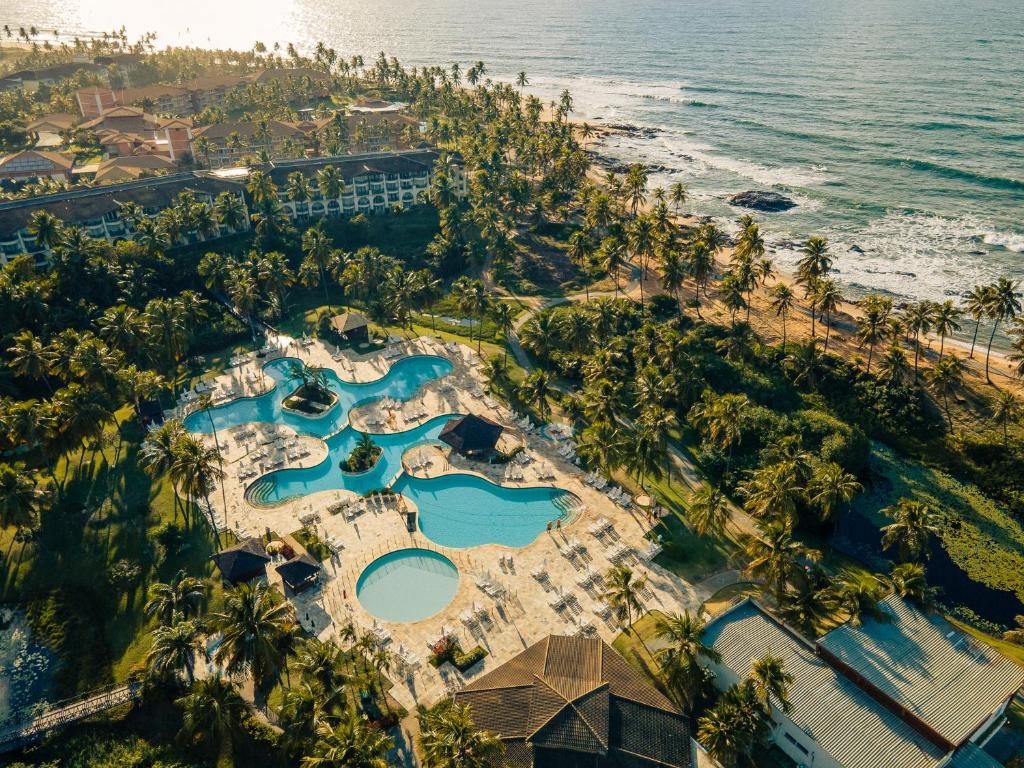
pixel 455 510
pixel 407 585
pixel 402 381
pixel 462 510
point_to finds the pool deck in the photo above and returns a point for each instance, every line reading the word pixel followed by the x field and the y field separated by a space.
pixel 523 613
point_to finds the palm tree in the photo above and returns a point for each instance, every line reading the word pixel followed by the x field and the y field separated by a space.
pixel 871 327
pixel 174 650
pixel 830 487
pixel 305 708
pixel 19 498
pixel 1015 635
pixel 213 712
pixel 1006 409
pixel 827 298
pixel 46 228
pixel 944 321
pixel 708 512
pixel 182 598
pixel 976 305
pixel 913 525
pixel 536 390
pixel 196 469
pixel 918 319
pixel 252 623
pixel 1003 304
pixel 945 379
pixel 771 493
pixel 349 744
pixel 680 658
pixel 157 453
pixel 782 303
pixel 805 363
pixel 674 270
pixel 504 316
pixel 677 194
pixel 908 580
pixel 30 358
pixel 857 596
pixel 318 252
pixel 474 299
pixel 773 556
pixel 448 739
pixel 721 418
pixel 771 681
pixel 808 605
pixel 622 594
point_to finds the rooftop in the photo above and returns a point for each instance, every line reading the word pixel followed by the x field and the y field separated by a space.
pixel 243 561
pixel 932 670
pixel 566 698
pixel 856 730
pixel 471 433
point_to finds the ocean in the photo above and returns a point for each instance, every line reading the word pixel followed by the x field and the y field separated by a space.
pixel 896 125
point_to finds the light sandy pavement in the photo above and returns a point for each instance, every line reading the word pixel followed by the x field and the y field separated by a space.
pixel 551 586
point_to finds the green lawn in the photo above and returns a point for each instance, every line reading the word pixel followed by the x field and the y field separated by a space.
pixel 91 620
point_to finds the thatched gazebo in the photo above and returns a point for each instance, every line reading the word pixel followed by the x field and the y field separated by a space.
pixel 351 327
pixel 245 561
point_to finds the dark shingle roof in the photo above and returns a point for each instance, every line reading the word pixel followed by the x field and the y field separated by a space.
pixel 243 561
pixel 298 572
pixel 477 433
pixel 348 321
pixel 568 697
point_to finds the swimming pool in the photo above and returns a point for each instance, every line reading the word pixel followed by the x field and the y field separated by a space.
pixel 407 585
pixel 401 381
pixel 455 510
pixel 463 510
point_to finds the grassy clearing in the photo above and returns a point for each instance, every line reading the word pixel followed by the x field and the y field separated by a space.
pixel 980 536
pixel 727 596
pixel 631 644
pixel 85 580
pixel 1008 649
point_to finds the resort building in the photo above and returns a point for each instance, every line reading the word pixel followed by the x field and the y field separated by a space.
pixel 225 145
pixel 373 183
pixel 126 131
pixel 573 701
pixel 98 210
pixel 197 94
pixel 908 692
pixel 46 131
pixel 30 80
pixel 471 435
pixel 35 164
pixel 118 169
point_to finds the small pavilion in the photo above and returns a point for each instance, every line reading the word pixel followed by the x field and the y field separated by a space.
pixel 299 574
pixel 352 327
pixel 245 561
pixel 472 436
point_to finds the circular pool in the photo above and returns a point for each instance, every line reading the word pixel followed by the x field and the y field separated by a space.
pixel 407 585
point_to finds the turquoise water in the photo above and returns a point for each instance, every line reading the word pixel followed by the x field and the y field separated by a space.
pixel 898 126
pixel 402 381
pixel 457 510
pixel 467 510
pixel 407 585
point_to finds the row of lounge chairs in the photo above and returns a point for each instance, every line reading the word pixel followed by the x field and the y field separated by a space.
pixel 490 588
pixel 475 617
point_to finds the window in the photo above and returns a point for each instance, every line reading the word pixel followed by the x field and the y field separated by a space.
pixel 796 744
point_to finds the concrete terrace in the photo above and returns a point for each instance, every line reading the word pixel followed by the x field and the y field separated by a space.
pixel 552 585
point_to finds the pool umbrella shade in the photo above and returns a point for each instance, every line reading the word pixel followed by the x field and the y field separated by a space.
pixel 471 434
pixel 242 562
pixel 299 574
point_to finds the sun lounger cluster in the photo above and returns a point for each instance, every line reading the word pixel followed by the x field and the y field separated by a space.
pixel 407 660
pixel 391 353
pixel 603 529
pixel 524 423
pixel 489 588
pixel 420 462
pixel 651 551
pixel 590 581
pixel 586 629
pixel 475 617
pixel 565 601
pixel 512 474
pixel 620 553
pixel 505 562
pixel 350 510
pixel 597 480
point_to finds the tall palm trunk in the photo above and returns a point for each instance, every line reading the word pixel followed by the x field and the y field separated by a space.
pixel 988 352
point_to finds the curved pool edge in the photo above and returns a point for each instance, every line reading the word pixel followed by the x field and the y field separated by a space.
pixel 371 568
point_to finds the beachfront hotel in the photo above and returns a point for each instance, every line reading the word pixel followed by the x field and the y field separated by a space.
pixel 373 183
pixel 907 691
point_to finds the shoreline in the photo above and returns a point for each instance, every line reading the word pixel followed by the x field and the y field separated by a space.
pixel 764 321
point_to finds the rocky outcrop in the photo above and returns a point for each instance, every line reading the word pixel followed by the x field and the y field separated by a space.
pixel 766 202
